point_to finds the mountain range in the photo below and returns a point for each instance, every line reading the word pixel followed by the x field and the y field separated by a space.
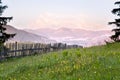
pixel 75 36
pixel 23 36
pixel 64 35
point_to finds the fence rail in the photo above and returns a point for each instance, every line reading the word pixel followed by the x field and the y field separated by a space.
pixel 26 49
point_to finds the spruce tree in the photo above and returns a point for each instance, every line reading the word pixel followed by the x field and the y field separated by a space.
pixel 116 11
pixel 3 22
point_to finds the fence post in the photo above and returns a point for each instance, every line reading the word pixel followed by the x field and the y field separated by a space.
pixel 15 49
pixel 1 51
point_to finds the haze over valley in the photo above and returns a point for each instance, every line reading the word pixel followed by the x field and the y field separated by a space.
pixel 74 36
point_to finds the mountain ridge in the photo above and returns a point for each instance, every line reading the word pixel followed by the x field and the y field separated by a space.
pixel 75 36
pixel 24 36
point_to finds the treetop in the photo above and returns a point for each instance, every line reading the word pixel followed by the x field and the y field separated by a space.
pixel 118 2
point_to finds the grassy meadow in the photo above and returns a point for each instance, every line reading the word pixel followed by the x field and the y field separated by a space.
pixel 95 63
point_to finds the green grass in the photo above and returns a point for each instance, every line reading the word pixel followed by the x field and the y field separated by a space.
pixel 95 63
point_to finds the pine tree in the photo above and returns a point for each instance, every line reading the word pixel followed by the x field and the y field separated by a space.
pixel 116 11
pixel 3 22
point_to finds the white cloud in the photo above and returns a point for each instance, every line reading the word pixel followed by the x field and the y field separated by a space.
pixel 48 20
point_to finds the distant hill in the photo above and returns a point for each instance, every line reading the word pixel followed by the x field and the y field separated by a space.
pixel 23 36
pixel 75 36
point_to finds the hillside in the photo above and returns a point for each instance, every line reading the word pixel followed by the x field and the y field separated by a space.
pixel 95 63
pixel 23 36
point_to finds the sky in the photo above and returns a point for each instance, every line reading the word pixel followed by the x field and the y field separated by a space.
pixel 85 14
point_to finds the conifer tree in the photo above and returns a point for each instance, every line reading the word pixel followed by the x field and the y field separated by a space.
pixel 116 11
pixel 3 22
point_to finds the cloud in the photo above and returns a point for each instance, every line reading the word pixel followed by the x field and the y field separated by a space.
pixel 48 20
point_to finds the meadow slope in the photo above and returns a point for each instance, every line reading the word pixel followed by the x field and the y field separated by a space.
pixel 95 63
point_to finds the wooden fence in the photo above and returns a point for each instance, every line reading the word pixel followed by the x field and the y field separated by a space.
pixel 26 49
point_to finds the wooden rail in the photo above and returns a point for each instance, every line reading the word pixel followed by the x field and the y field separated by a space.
pixel 26 49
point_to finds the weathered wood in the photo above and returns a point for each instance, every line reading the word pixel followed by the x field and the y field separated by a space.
pixel 27 49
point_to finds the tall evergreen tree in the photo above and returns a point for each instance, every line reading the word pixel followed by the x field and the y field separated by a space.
pixel 116 11
pixel 3 22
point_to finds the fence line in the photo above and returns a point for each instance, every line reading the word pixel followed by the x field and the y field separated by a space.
pixel 26 49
